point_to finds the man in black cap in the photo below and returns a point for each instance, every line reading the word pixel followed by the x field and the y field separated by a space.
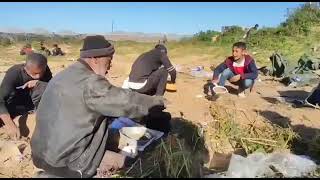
pixel 22 88
pixel 72 119
pixel 149 73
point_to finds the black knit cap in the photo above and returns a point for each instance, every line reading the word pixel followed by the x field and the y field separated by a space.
pixel 96 46
pixel 161 47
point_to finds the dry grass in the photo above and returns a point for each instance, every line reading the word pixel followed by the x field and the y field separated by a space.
pixel 171 158
pixel 256 135
pixel 180 155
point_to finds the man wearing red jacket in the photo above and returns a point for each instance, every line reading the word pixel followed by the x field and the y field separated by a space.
pixel 239 69
pixel 27 49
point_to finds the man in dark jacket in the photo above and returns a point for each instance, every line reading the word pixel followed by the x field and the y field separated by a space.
pixel 149 73
pixel 72 119
pixel 22 88
pixel 44 50
pixel 239 69
pixel 57 51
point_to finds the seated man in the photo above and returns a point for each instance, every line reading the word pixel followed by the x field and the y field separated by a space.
pixel 249 31
pixel 239 69
pixel 27 49
pixel 71 132
pixel 147 75
pixel 22 88
pixel 44 50
pixel 57 51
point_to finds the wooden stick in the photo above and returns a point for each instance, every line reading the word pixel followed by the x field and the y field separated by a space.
pixel 259 139
pixel 260 143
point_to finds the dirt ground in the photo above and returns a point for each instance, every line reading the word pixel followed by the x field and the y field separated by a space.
pixel 189 102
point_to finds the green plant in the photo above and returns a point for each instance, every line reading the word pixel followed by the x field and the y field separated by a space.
pixel 206 36
pixel 172 158
pixel 5 42
pixel 264 137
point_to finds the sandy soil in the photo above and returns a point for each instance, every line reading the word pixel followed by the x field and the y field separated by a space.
pixel 189 102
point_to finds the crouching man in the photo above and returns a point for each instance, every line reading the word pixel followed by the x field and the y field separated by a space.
pixel 149 72
pixel 21 90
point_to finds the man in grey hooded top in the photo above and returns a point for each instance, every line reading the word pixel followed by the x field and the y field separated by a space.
pixel 72 118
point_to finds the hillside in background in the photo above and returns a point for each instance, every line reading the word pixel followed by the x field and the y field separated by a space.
pixel 206 130
pixel 294 37
pixel 299 34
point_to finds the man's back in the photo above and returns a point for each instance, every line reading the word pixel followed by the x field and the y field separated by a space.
pixel 145 65
pixel 65 125
pixel 71 119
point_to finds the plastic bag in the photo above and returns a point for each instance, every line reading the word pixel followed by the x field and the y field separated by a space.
pixel 291 165
pixel 200 73
pixel 120 122
pixel 259 165
pixel 250 167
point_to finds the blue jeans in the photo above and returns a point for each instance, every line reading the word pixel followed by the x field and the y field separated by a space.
pixel 227 74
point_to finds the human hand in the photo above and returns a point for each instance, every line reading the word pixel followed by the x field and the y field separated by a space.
pixel 160 101
pixel 215 81
pixel 235 78
pixel 11 129
pixel 30 84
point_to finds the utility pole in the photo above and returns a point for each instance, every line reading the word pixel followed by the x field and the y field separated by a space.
pixel 112 26
pixel 26 37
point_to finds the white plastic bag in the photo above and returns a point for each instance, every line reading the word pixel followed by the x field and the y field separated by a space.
pixel 291 165
pixel 258 165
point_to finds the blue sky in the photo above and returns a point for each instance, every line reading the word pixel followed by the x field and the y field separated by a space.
pixel 147 17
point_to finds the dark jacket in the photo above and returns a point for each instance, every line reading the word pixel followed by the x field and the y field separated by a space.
pixel 149 62
pixel 71 130
pixel 250 68
pixel 16 76
pixel 57 52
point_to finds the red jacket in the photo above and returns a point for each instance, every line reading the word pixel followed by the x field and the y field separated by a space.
pixel 250 68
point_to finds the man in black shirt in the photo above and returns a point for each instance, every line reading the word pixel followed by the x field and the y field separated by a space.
pixel 21 89
pixel 57 51
pixel 150 71
pixel 44 50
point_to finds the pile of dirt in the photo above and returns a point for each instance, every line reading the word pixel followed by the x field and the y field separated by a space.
pixel 15 158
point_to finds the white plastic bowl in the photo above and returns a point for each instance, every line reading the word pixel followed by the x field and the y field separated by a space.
pixel 219 89
pixel 134 135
